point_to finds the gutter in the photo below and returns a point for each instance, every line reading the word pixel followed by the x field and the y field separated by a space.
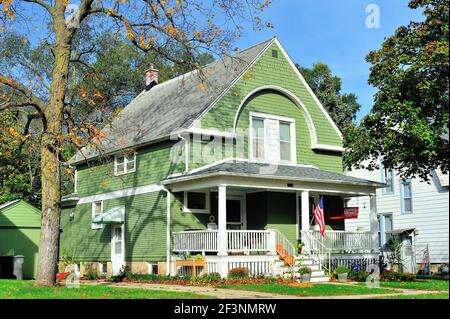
pixel 168 222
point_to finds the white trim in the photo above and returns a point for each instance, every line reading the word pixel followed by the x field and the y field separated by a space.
pixel 113 245
pixel 121 193
pixel 125 162
pixel 308 88
pixel 208 132
pixel 75 183
pixel 234 81
pixel 280 119
pixel 95 226
pixel 324 147
pixel 292 97
pixel 242 200
pixel 186 209
pixel 272 116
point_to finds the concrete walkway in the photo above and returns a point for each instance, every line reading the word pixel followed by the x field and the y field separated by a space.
pixel 222 293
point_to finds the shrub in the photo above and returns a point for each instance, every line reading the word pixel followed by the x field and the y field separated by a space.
pixel 304 270
pixel 207 278
pixel 237 273
pixel 358 275
pixel 396 276
pixel 341 270
pixel 124 271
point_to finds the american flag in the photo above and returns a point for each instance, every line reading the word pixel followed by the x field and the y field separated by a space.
pixel 319 216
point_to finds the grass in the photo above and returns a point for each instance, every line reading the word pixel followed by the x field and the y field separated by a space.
pixel 18 289
pixel 420 285
pixel 439 295
pixel 313 290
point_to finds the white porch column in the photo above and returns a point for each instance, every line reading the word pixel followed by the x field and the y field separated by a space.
pixel 305 210
pixel 373 221
pixel 222 239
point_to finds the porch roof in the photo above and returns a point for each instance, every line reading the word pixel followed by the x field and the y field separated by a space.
pixel 244 168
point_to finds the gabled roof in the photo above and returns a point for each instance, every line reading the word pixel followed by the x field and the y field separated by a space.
pixel 2 206
pixel 172 106
pixel 244 168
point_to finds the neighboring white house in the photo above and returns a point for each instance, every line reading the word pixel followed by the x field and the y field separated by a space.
pixel 416 210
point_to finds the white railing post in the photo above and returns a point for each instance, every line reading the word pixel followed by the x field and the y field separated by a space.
pixel 272 241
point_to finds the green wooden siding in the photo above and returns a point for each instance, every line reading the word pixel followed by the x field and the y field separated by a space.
pixel 153 164
pixel 20 214
pixel 19 234
pixel 145 230
pixel 277 72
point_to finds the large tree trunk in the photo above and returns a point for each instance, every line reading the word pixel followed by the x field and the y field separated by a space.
pixel 50 165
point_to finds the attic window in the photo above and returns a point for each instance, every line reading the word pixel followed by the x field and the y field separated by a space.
pixel 275 54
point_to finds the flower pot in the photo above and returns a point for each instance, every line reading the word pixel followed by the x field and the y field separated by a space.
pixel 306 277
pixel 62 275
pixel 342 277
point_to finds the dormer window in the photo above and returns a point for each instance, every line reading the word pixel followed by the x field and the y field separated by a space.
pixel 272 138
pixel 124 163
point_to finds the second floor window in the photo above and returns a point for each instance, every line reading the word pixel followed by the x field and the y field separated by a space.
pixel 272 138
pixel 406 197
pixel 387 177
pixel 124 163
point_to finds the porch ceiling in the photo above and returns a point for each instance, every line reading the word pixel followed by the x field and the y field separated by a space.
pixel 242 173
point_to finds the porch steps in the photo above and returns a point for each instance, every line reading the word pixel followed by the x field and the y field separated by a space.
pixel 317 274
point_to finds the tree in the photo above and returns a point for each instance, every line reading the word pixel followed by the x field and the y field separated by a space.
pixel 327 87
pixel 20 160
pixel 408 125
pixel 190 26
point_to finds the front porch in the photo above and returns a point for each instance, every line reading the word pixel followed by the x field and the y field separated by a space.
pixel 257 222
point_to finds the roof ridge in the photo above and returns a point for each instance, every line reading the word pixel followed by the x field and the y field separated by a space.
pixel 209 64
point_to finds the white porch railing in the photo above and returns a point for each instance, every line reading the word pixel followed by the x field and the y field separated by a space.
pixel 203 241
pixel 339 241
pixel 244 241
pixel 249 241
pixel 315 249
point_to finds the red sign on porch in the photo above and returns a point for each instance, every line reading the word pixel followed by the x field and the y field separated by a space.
pixel 345 213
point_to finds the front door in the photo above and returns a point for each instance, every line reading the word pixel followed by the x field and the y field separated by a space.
pixel 235 213
pixel 117 248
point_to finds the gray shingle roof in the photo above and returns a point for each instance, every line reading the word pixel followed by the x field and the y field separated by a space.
pixel 171 106
pixel 246 168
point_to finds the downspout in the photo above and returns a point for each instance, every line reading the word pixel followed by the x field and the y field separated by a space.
pixel 186 153
pixel 168 221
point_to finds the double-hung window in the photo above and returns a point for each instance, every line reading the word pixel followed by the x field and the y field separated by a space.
pixel 387 177
pixel 124 163
pixel 272 138
pixel 97 209
pixel 406 197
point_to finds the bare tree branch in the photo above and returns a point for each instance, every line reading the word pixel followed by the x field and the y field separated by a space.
pixel 32 99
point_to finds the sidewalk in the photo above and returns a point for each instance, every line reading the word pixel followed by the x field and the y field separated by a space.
pixel 222 293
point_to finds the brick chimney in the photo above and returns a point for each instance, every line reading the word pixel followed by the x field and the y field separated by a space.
pixel 151 77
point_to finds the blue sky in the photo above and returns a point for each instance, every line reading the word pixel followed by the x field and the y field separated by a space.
pixel 334 32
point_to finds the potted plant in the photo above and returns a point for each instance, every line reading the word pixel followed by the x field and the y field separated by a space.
pixel 63 263
pixel 300 247
pixel 342 273
pixel 305 274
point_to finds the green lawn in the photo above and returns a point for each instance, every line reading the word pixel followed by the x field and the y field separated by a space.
pixel 420 285
pixel 315 290
pixel 440 295
pixel 16 289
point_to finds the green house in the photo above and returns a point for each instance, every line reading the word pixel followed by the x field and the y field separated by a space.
pixel 20 225
pixel 228 165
